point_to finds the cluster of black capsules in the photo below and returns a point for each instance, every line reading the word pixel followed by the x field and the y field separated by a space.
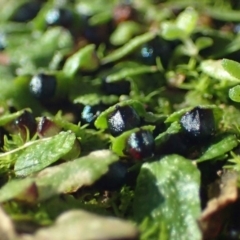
pixel 27 126
pixel 198 126
pixel 75 20
pixel 197 129
pixel 140 144
pixel 44 86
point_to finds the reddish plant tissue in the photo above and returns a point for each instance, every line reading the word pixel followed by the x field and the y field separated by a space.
pixel 140 145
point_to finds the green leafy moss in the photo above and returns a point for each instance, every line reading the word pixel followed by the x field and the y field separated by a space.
pixel 174 56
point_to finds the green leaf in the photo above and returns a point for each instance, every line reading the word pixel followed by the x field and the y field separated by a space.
pixel 129 72
pixel 182 27
pixel 178 114
pixel 70 176
pixel 24 190
pixel 65 178
pixel 215 69
pixel 39 22
pixel 7 118
pixel 66 125
pixel 17 91
pixel 37 53
pixel 174 128
pixel 203 42
pixel 101 121
pixel 154 118
pixel 170 31
pixel 167 193
pixel 223 14
pixel 232 67
pixel 100 18
pixel 96 98
pixel 15 149
pixel 221 146
pixel 43 152
pixel 8 158
pixel 119 143
pixel 129 47
pixel 84 59
pixel 234 93
pixel 88 99
pixel 6 75
pixel 187 20
pixel 231 117
pixel 124 32
pixel 9 8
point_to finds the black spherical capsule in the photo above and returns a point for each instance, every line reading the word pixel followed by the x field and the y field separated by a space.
pixel 27 11
pixel 59 17
pixel 157 47
pixel 95 34
pixel 198 124
pixel 122 119
pixel 24 122
pixel 140 145
pixel 90 113
pixel 43 86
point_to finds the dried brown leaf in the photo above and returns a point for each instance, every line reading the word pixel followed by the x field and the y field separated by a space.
pixel 81 225
pixel 7 231
pixel 214 215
